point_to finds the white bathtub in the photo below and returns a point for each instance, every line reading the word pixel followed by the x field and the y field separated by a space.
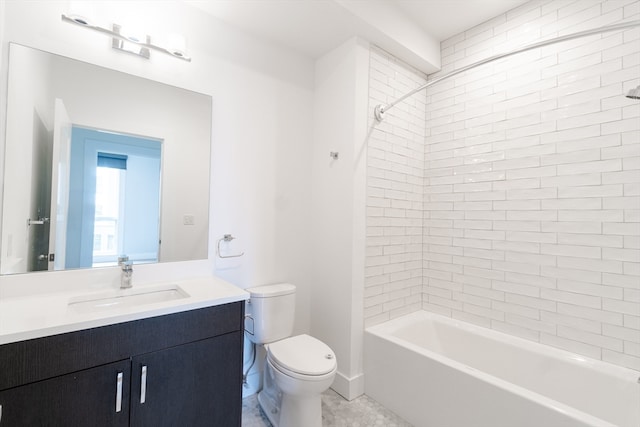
pixel 437 372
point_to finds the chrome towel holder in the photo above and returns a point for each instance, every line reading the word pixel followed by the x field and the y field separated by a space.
pixel 227 238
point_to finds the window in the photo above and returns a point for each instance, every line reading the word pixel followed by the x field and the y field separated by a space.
pixel 109 203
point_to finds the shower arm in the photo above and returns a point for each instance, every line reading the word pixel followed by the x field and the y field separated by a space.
pixel 381 109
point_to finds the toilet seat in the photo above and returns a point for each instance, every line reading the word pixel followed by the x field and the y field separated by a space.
pixel 302 356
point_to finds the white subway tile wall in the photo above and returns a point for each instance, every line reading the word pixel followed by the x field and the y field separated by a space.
pixel 395 194
pixel 531 180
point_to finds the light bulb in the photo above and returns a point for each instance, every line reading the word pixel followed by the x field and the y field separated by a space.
pixel 81 12
pixel 177 45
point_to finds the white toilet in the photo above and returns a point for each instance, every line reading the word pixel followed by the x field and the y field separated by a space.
pixel 297 369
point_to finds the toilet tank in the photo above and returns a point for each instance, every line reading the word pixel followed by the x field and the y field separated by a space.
pixel 270 312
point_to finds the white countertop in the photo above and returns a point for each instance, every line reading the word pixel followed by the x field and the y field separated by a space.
pixel 45 314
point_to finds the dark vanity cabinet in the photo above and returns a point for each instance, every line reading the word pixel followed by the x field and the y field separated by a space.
pixel 182 369
pixel 195 384
pixel 84 398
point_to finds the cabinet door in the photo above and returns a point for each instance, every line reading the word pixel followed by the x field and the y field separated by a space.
pixel 93 397
pixel 196 384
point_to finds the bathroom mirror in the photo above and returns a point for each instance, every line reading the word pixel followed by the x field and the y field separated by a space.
pixel 100 164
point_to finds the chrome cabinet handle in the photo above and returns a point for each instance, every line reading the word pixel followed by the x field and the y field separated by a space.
pixel 119 393
pixel 143 385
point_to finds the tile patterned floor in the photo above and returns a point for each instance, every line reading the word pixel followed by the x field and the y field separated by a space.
pixel 336 412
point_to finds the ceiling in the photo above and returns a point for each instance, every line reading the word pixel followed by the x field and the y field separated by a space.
pixel 314 27
pixel 310 27
pixel 445 18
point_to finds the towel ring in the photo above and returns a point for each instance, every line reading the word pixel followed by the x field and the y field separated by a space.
pixel 227 238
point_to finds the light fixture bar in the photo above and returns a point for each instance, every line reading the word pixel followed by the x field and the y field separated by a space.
pixel 130 46
pixel 115 34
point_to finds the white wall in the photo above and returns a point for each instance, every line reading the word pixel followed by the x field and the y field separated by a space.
pixel 338 188
pixel 532 201
pixel 395 192
pixel 261 144
pixel 386 26
pixel 30 100
pixel 3 103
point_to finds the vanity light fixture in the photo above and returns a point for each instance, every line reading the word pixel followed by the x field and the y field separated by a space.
pixel 138 44
pixel 131 42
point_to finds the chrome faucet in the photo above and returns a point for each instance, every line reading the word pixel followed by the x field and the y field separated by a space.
pixel 127 275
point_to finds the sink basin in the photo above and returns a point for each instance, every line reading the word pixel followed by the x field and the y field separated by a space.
pixel 126 298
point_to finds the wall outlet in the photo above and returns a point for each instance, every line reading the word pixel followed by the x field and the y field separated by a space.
pixel 189 219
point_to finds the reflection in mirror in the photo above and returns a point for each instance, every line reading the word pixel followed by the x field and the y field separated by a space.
pixel 114 199
pixel 100 164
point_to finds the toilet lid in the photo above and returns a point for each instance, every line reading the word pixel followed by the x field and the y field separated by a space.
pixel 302 354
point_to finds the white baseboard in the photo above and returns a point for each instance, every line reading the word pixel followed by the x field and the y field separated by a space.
pixel 349 388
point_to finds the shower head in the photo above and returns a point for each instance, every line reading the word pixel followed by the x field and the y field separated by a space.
pixel 634 93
